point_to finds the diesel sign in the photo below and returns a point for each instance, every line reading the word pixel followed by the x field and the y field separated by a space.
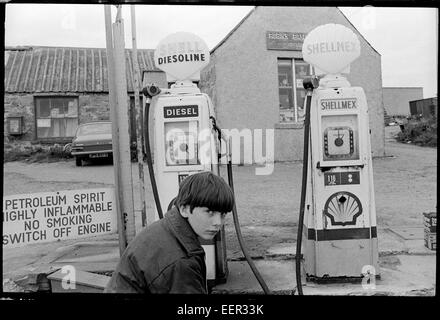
pixel 181 111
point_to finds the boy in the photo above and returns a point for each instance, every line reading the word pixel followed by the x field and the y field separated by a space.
pixel 166 257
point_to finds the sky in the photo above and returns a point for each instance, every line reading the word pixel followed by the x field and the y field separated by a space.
pixel 406 38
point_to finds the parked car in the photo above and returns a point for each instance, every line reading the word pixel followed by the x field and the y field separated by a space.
pixel 92 140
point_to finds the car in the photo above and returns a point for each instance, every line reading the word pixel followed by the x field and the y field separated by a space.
pixel 92 140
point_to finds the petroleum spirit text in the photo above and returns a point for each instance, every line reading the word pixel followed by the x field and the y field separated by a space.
pixel 328 47
pixel 338 104
pixel 56 233
pixel 25 237
pixel 35 202
pixel 78 209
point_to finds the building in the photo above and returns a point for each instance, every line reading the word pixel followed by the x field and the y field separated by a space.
pixel 54 89
pixel 396 99
pixel 427 108
pixel 255 77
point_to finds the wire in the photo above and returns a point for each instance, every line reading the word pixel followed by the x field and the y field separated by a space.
pixel 303 193
pixel 237 223
pixel 240 237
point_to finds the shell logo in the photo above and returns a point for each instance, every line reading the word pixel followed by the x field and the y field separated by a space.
pixel 181 55
pixel 331 48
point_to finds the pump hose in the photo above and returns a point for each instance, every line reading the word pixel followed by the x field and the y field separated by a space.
pixel 149 160
pixel 235 215
pixel 303 193
pixel 240 237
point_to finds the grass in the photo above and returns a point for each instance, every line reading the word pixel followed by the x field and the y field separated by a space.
pixel 38 153
pixel 421 132
pixel 35 153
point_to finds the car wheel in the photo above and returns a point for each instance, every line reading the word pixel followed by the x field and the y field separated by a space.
pixel 78 162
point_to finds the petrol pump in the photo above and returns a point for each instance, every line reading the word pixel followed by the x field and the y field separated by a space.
pixel 339 224
pixel 185 139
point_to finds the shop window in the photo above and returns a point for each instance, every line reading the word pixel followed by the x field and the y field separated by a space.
pixel 291 73
pixel 57 117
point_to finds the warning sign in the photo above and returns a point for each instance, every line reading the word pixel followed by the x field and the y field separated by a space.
pixel 51 216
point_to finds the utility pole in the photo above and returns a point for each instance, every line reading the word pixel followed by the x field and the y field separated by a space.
pixel 120 128
pixel 113 117
pixel 139 133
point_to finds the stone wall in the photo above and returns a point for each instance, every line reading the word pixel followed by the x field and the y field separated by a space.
pixel 20 105
pixel 91 107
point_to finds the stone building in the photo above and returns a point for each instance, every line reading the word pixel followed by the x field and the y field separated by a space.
pixel 54 89
pixel 255 76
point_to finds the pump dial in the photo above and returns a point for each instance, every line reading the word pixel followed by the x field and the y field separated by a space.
pixel 338 142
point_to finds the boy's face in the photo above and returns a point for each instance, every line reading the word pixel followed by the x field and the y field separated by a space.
pixel 204 222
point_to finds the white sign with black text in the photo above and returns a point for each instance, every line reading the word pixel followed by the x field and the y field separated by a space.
pixel 51 216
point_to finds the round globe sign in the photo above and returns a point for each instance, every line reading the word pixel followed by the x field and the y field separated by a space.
pixel 331 48
pixel 181 55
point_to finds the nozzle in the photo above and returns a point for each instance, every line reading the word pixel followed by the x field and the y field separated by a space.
pixel 151 90
pixel 310 83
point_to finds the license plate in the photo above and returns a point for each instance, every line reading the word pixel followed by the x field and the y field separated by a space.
pixel 99 155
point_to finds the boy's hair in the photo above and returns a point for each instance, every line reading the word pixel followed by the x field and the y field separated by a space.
pixel 205 189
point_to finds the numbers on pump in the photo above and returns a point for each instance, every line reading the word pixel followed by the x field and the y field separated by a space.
pixel 181 143
pixel 181 149
pixel 338 142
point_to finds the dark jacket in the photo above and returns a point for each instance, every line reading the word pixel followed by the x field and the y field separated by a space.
pixel 165 257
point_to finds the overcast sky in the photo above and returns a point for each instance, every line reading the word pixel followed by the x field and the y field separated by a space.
pixel 406 38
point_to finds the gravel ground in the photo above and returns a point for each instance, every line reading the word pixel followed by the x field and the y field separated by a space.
pixel 405 187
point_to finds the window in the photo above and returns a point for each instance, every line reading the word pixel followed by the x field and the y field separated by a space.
pixel 57 117
pixel 291 73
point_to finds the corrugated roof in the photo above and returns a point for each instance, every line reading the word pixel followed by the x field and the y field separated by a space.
pixel 64 69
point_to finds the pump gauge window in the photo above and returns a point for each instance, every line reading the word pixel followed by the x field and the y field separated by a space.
pixel 339 144
pixel 181 143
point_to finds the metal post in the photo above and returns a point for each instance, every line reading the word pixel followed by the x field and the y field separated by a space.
pixel 114 119
pixel 126 179
pixel 139 133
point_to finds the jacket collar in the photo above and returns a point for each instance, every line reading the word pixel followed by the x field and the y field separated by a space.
pixel 184 232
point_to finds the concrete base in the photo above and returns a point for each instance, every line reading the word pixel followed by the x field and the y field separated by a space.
pixel 401 275
pixel 77 281
pixel 407 267
pixel 405 275
pixel 278 275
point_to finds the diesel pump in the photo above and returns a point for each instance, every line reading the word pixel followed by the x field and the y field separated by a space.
pixel 186 140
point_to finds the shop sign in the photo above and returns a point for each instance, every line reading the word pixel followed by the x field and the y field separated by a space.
pixel 277 40
pixel 181 55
